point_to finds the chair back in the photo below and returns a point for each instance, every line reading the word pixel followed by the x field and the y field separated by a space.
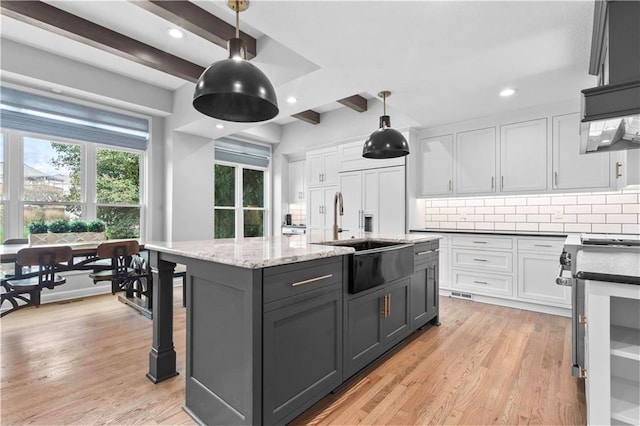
pixel 16 241
pixel 48 260
pixel 120 253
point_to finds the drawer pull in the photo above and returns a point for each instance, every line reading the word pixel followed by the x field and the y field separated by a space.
pixel 543 245
pixel 479 242
pixel 480 260
pixel 312 280
pixel 426 252
pixel 481 282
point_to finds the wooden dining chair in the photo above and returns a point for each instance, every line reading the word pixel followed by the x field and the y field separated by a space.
pixel 7 269
pixel 127 271
pixel 23 292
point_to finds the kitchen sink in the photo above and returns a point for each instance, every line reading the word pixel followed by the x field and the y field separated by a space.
pixel 376 263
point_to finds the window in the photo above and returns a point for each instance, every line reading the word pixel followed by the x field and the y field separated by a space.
pixel 240 176
pixel 70 161
pixel 118 192
pixel 51 181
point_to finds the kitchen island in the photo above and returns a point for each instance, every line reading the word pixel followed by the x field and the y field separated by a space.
pixel 266 322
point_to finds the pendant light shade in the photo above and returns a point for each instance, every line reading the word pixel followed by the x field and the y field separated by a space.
pixel 234 89
pixel 385 142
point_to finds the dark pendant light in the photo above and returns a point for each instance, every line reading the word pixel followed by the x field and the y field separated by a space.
pixel 385 142
pixel 233 89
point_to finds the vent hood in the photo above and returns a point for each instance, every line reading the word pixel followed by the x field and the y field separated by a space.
pixel 611 111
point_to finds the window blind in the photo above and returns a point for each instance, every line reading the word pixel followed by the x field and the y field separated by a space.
pixel 30 112
pixel 242 152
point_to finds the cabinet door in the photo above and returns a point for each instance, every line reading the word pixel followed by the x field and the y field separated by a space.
pixel 433 289
pixel 537 273
pixel 570 169
pixel 296 182
pixel 371 198
pixel 396 323
pixel 363 342
pixel 436 168
pixel 330 176
pixel 329 206
pixel 523 156
pixel 391 201
pixel 316 208
pixel 302 357
pixel 424 297
pixel 316 169
pixel 351 188
pixel 476 161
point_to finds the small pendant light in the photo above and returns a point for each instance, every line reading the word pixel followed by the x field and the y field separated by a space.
pixel 234 89
pixel 385 142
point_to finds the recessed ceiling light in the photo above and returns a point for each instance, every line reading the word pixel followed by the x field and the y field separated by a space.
pixel 175 33
pixel 219 126
pixel 292 99
pixel 507 92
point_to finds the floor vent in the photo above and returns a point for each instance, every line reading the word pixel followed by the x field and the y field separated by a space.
pixel 459 295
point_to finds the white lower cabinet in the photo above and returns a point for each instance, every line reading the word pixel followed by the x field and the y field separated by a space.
pixel 538 270
pixel 612 348
pixel 444 268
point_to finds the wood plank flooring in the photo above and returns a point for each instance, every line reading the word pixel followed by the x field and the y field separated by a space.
pixel 84 362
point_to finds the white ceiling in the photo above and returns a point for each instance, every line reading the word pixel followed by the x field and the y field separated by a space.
pixel 444 61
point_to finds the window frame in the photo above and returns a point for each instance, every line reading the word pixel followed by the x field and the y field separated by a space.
pixel 238 199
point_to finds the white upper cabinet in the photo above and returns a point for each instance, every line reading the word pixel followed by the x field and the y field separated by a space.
pixel 323 167
pixel 523 156
pixel 296 182
pixel 351 188
pixel 570 169
pixel 391 202
pixel 476 161
pixel 436 173
pixel 350 158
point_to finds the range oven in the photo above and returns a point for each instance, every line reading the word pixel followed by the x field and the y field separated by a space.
pixel 575 270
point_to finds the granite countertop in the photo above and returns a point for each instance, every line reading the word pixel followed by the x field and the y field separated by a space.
pixel 261 252
pixel 400 238
pixel 492 232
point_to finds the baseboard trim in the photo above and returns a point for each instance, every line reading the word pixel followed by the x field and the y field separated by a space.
pixel 60 296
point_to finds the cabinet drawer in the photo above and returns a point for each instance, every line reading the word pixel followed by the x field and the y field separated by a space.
pixel 544 246
pixel 481 242
pixel 481 283
pixel 424 252
pixel 297 278
pixel 483 260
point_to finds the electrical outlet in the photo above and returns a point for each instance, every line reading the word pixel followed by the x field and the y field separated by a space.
pixel 558 215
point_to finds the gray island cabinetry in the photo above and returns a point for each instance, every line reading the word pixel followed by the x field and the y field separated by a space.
pixel 267 324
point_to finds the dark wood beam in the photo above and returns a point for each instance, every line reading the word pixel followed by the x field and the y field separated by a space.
pixel 198 21
pixel 355 102
pixel 76 28
pixel 308 116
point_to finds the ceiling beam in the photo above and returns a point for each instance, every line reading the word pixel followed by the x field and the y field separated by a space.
pixel 197 21
pixel 58 21
pixel 355 102
pixel 308 116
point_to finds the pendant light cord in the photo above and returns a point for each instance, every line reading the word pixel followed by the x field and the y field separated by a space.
pixel 237 18
pixel 384 104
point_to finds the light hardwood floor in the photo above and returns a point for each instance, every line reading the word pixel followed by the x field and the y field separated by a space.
pixel 84 362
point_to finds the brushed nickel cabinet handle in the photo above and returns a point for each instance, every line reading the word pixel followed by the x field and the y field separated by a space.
pixel 555 178
pixel 480 260
pixel 480 282
pixel 501 182
pixel 492 182
pixel 420 253
pixel 542 245
pixel 479 242
pixel 618 168
pixel 450 185
pixel 311 280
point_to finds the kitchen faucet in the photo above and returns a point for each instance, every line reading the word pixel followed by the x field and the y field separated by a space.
pixel 337 199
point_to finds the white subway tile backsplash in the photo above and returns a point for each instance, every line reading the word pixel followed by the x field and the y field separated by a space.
pixel 622 218
pixel 505 210
pixel 611 212
pixel 631 228
pixel 622 199
pixel 564 200
pixel 614 228
pixel 577 227
pixel 608 208
pixel 591 218
pixel 526 227
pixel 578 209
pixel 505 226
pixel 539 201
pixel 515 217
pixel 540 218
pixel 527 209
pixel 494 202
pixel 631 208
pixel 551 227
pixel 592 199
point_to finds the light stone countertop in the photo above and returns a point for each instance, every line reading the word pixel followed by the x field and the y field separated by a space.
pixel 261 252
